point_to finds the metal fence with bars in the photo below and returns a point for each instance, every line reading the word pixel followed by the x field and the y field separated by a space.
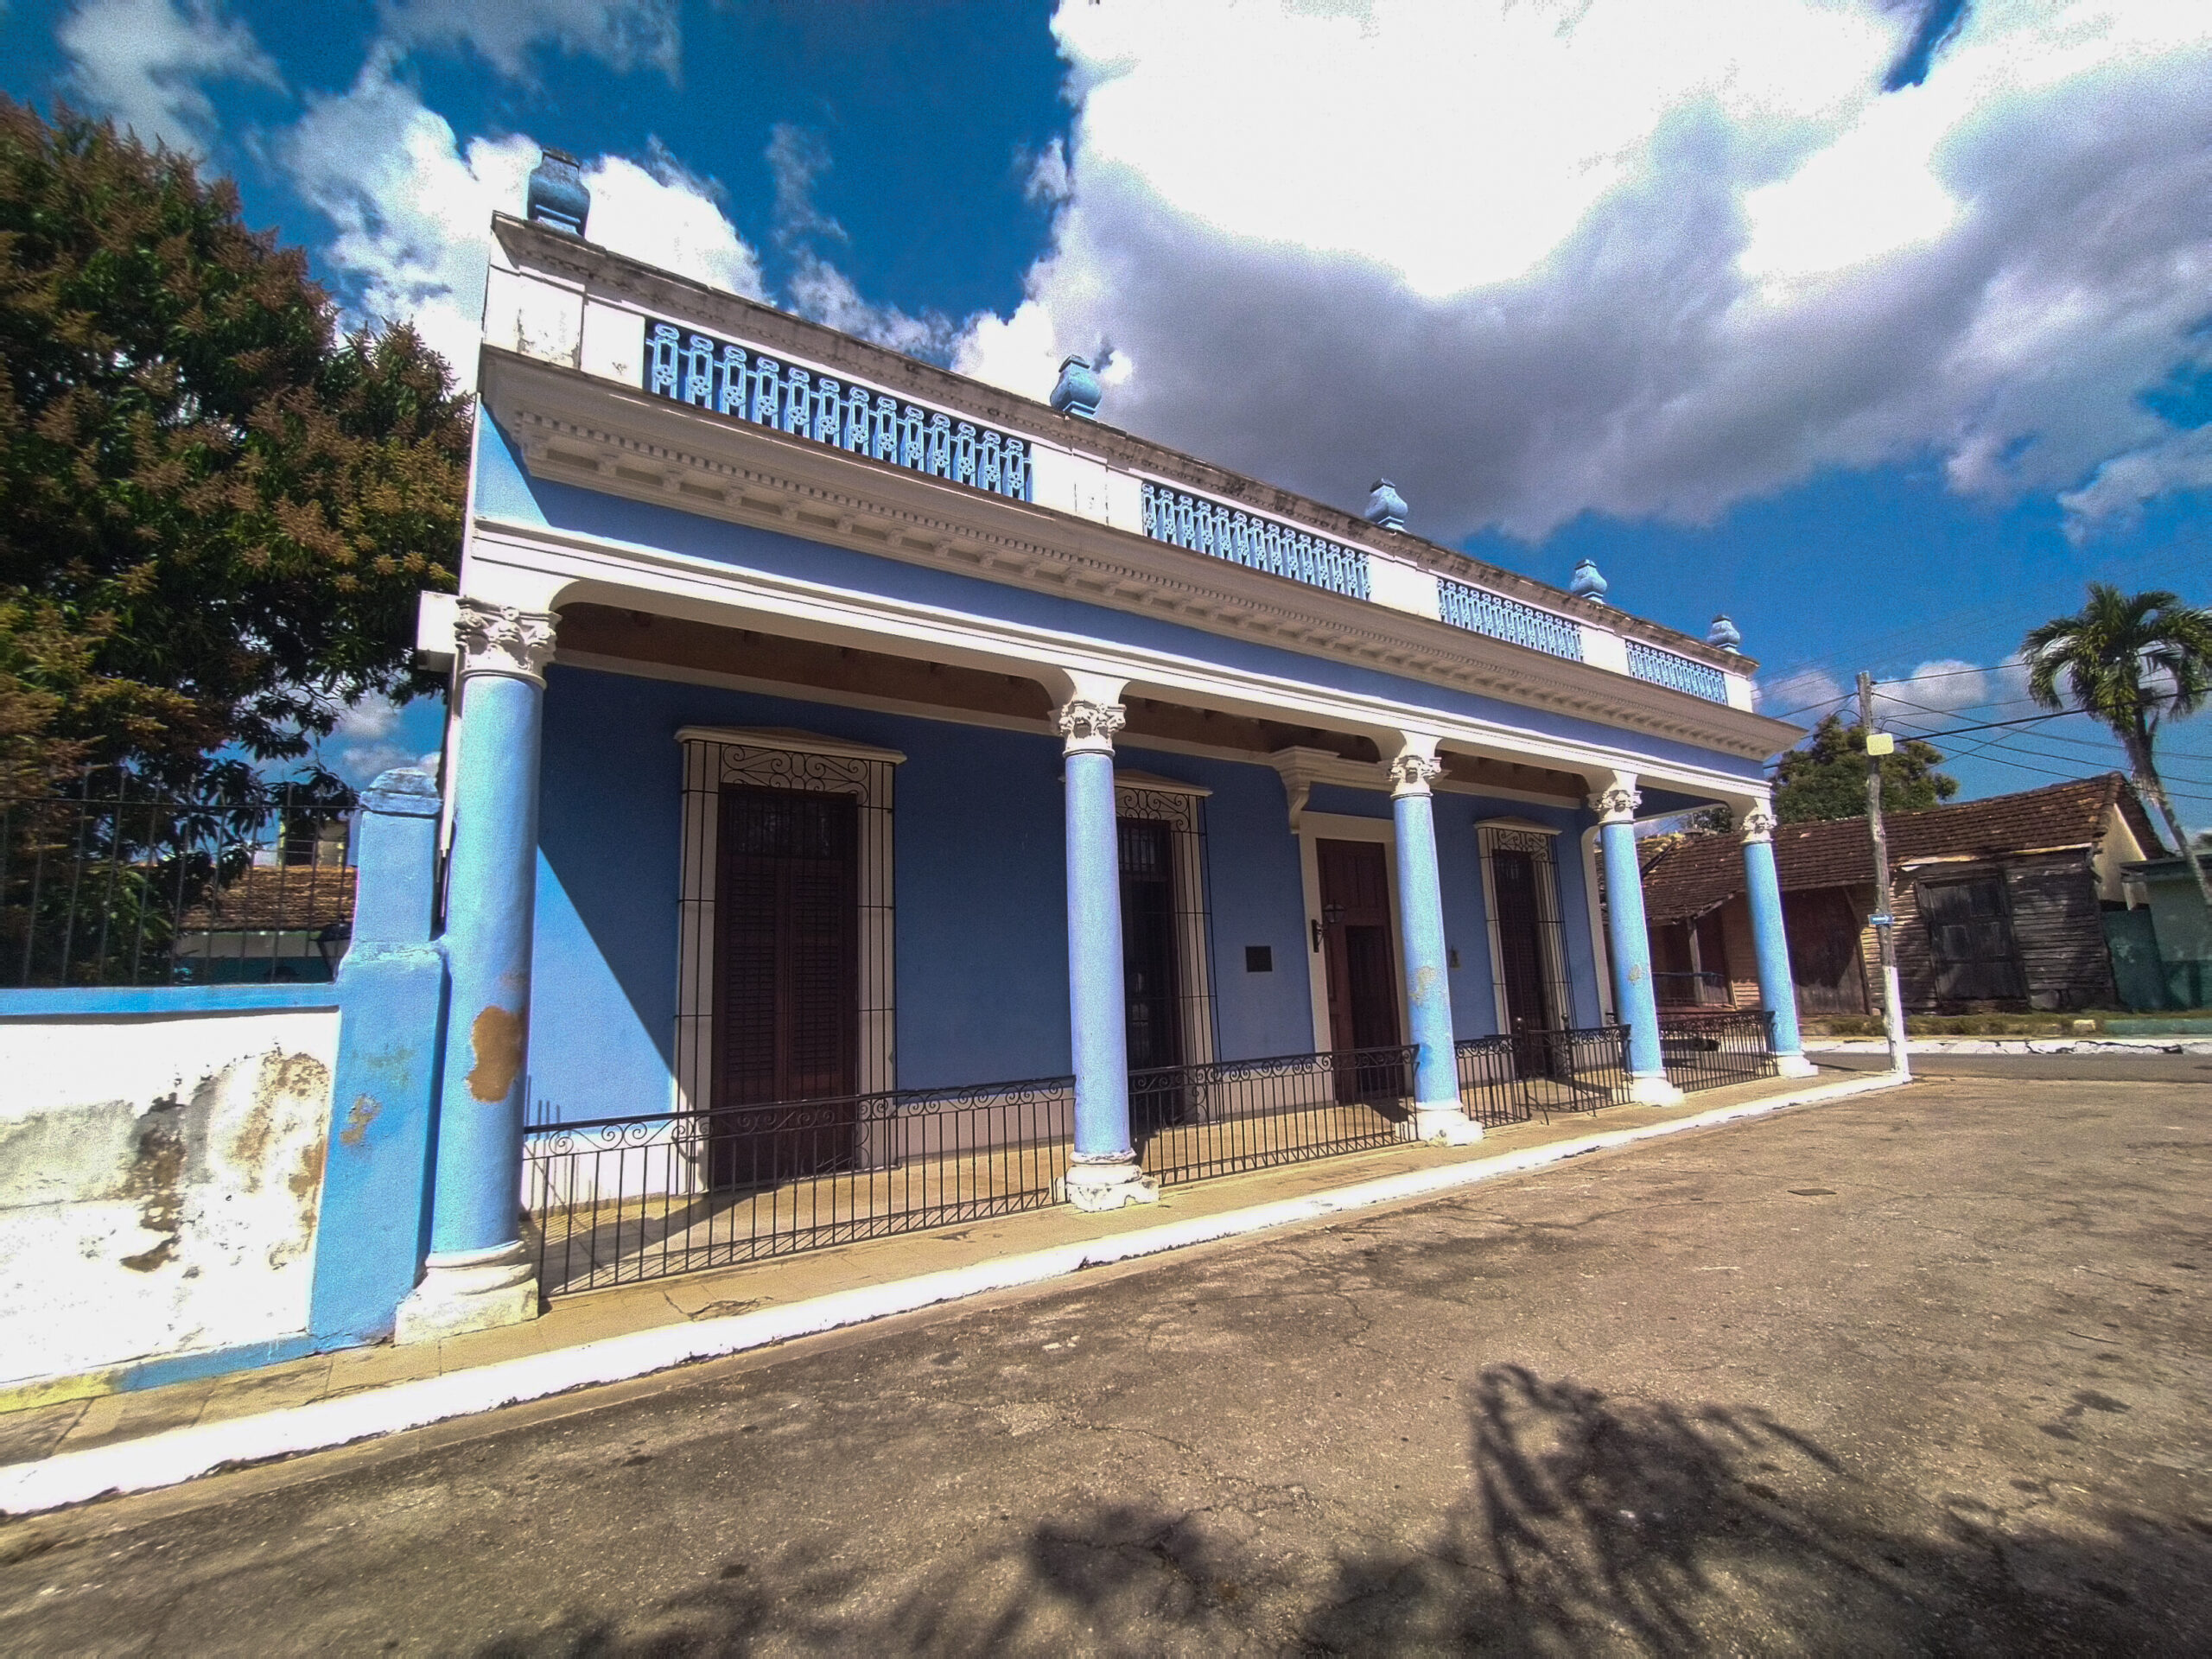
pixel 617 1199
pixel 1710 1049
pixel 121 884
pixel 1194 1122
pixel 1507 1079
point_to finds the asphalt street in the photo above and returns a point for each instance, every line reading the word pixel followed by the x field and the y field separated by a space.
pixel 1923 1371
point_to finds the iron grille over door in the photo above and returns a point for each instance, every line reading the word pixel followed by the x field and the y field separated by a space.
pixel 787 991
pixel 1530 936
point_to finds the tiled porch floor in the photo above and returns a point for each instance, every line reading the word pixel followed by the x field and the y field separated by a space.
pixel 41 1431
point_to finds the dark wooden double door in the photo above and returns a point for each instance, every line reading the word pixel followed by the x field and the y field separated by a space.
pixel 1531 1014
pixel 1358 966
pixel 786 986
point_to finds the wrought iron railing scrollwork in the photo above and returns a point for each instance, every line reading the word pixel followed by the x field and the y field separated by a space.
pixel 1479 611
pixel 1225 532
pixel 687 366
pixel 1677 672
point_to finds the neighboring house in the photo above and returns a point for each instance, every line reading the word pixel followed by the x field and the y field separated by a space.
pixel 285 917
pixel 1999 905
pixel 2162 943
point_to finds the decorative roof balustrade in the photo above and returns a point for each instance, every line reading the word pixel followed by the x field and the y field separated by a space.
pixel 1678 673
pixel 688 367
pixel 1203 526
pixel 1480 611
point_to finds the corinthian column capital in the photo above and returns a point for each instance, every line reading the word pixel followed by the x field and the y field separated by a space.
pixel 1088 726
pixel 502 640
pixel 1758 825
pixel 1617 801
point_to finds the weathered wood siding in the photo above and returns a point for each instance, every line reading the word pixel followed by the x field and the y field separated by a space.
pixel 2057 934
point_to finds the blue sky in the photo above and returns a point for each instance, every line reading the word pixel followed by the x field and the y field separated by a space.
pixel 1878 324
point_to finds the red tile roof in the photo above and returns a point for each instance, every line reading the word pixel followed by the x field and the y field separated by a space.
pixel 280 898
pixel 1698 874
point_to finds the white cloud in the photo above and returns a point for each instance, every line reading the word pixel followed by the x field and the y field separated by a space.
pixel 370 737
pixel 144 61
pixel 1802 696
pixel 413 210
pixel 621 34
pixel 1643 256
pixel 2117 491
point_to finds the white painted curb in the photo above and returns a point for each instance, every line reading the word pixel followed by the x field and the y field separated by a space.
pixel 181 1454
pixel 2105 1046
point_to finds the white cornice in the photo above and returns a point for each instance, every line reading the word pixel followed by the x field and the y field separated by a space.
pixel 585 432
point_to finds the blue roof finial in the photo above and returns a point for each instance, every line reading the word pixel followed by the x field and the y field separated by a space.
pixel 1077 392
pixel 1587 584
pixel 1725 634
pixel 1386 507
pixel 556 194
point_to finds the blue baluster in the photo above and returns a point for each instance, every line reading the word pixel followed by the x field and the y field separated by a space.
pixel 699 371
pixel 940 462
pixel 665 345
pixel 798 398
pixel 730 382
pixel 884 445
pixel 963 453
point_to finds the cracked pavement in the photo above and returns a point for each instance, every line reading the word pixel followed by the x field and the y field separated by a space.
pixel 1918 1371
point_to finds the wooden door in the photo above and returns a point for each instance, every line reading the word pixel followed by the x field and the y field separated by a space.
pixel 1529 1016
pixel 1152 1023
pixel 1970 928
pixel 1822 925
pixel 1357 962
pixel 786 984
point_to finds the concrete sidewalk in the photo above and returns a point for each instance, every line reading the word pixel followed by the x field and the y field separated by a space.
pixel 70 1450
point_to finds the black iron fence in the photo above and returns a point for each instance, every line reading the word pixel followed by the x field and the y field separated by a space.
pixel 1194 1122
pixel 613 1200
pixel 118 884
pixel 1710 1049
pixel 1507 1079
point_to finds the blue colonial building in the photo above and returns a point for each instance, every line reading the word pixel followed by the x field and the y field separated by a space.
pixel 874 797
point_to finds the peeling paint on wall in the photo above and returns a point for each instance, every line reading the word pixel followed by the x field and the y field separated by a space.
pixel 495 1039
pixel 160 1180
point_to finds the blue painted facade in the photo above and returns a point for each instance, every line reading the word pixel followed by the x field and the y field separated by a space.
pixel 981 886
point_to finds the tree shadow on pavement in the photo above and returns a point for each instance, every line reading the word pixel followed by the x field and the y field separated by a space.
pixel 1592 1523
pixel 1588 1524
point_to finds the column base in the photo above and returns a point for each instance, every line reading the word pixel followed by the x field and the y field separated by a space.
pixel 1794 1065
pixel 1096 1184
pixel 1444 1125
pixel 1653 1092
pixel 469 1290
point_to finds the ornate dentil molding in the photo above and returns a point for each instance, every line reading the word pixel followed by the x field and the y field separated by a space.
pixel 1758 825
pixel 1616 803
pixel 1411 774
pixel 502 640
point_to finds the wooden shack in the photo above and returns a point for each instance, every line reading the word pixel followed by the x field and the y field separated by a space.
pixel 1999 905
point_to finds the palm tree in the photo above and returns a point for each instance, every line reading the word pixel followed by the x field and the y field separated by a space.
pixel 2129 661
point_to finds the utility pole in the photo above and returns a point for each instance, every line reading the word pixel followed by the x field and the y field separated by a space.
pixel 1886 935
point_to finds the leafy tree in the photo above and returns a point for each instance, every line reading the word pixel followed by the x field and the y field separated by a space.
pixel 2129 661
pixel 216 508
pixel 1826 779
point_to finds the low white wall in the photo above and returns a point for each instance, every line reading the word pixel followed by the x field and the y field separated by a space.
pixel 159 1181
